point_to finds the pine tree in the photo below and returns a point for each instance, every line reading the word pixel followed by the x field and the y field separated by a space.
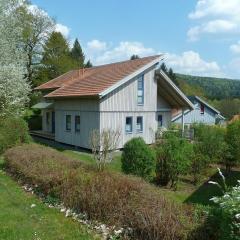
pixel 134 56
pixel 172 76
pixel 163 67
pixel 56 59
pixel 77 54
pixel 88 64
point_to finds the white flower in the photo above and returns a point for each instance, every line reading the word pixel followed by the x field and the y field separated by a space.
pixel 214 199
pixel 237 216
pixel 221 174
pixel 33 205
pixel 214 183
pixel 68 213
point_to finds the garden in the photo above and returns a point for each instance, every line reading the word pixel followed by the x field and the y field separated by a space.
pixel 175 189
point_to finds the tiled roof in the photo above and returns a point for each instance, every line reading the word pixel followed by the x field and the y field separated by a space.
pixel 93 81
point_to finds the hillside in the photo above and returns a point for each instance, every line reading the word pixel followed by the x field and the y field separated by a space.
pixel 211 88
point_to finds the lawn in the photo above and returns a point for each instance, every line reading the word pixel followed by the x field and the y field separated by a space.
pixel 20 221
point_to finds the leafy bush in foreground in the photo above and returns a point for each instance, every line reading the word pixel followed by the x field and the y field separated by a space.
pixel 226 215
pixel 138 158
pixel 12 131
pixel 113 198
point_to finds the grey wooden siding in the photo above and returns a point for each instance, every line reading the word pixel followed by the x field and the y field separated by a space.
pixel 122 103
pixel 194 116
pixel 87 109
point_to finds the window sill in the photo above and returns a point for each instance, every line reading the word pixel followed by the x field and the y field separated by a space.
pixel 128 133
pixel 140 104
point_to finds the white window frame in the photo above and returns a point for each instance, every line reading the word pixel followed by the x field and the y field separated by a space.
pixel 140 90
pixel 141 124
pixel 126 129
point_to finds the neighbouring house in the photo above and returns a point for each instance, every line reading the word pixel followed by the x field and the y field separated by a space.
pixel 235 118
pixel 202 113
pixel 134 97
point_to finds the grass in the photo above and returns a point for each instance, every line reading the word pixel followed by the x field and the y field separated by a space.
pixel 23 222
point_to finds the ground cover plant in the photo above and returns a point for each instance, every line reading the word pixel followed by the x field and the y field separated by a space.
pixel 106 196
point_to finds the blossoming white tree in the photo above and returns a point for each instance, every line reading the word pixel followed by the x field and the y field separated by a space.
pixel 14 89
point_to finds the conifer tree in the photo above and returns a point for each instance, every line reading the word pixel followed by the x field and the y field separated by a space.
pixel 77 54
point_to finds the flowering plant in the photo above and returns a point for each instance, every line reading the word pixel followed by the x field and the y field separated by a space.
pixel 228 210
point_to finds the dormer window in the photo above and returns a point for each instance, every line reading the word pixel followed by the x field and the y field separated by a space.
pixel 202 108
pixel 140 90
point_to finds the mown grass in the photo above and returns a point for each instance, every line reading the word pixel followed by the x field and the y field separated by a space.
pixel 20 221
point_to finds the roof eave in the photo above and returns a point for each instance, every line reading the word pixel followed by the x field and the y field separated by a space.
pixel 130 76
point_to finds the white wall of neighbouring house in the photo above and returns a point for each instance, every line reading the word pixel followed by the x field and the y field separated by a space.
pixel 87 109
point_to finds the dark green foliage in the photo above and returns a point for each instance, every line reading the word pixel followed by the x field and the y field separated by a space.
pixel 233 141
pixel 227 107
pixel 211 142
pixel 163 67
pixel 174 155
pixel 214 88
pixel 77 54
pixel 56 58
pixel 88 64
pixel 134 56
pixel 169 72
pixel 138 158
pixel 13 131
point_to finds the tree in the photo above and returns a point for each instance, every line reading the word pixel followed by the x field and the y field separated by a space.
pixel 56 58
pixel 138 158
pixel 172 76
pixel 36 28
pixel 14 89
pixel 88 64
pixel 174 156
pixel 77 54
pixel 134 56
pixel 103 144
pixel 233 141
pixel 163 67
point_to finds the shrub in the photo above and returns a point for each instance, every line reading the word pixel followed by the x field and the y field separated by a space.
pixel 12 131
pixel 233 141
pixel 211 141
pixel 225 216
pixel 138 158
pixel 173 158
pixel 113 198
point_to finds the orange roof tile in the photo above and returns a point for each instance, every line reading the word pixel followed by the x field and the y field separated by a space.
pixel 93 81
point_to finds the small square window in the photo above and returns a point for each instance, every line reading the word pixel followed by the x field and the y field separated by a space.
pixel 77 124
pixel 128 126
pixel 139 126
pixel 68 122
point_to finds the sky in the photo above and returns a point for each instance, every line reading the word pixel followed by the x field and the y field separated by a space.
pixel 198 37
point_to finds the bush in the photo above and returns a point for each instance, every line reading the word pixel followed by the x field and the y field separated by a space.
pixel 138 158
pixel 174 156
pixel 211 142
pixel 233 141
pixel 225 216
pixel 12 131
pixel 113 198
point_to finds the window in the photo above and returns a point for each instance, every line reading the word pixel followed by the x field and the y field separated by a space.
pixel 47 118
pixel 68 122
pixel 140 92
pixel 160 121
pixel 77 123
pixel 201 108
pixel 139 124
pixel 128 127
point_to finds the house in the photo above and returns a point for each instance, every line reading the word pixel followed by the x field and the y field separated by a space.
pixel 235 118
pixel 202 113
pixel 134 97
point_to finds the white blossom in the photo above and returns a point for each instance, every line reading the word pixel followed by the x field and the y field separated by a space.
pixel 14 89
